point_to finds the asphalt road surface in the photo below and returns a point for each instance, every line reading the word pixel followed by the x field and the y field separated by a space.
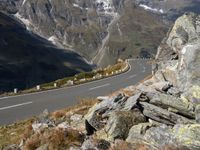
pixel 20 107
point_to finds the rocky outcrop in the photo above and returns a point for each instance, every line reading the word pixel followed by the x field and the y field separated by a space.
pixel 169 100
pixel 182 71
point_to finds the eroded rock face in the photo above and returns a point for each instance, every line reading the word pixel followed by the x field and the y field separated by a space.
pixel 179 56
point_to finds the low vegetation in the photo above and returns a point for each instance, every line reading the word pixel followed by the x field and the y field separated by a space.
pixel 79 78
pixel 15 133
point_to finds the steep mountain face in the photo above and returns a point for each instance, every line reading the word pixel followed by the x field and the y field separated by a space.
pixel 170 9
pixel 27 59
pixel 91 27
pixel 71 24
pixel 136 33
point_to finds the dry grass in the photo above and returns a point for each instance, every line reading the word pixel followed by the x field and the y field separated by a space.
pixel 80 108
pixel 58 114
pixel 13 134
pixel 27 132
pixel 32 143
pixel 55 139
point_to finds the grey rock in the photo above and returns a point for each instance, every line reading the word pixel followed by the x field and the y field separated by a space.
pixel 37 126
pixel 12 147
pixel 159 136
pixel 132 102
pixel 43 118
pixel 95 144
pixel 182 40
pixel 166 101
pixel 174 92
pixel 166 87
pixel 197 113
pixel 88 144
pixel 184 137
pixel 120 122
pixel 103 145
pixel 138 131
pixel 44 115
pixel 187 135
pixel 162 115
pixel 99 112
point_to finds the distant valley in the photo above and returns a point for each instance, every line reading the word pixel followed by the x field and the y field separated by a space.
pixel 43 40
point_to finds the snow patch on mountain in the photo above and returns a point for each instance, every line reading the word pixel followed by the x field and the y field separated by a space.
pixel 76 5
pixel 151 9
pixel 24 1
pixel 26 22
pixel 104 5
pixel 53 39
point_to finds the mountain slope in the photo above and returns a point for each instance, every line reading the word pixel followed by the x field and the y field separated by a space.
pixel 136 33
pixel 26 59
pixel 88 27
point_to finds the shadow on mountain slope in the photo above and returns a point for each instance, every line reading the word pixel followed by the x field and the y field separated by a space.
pixel 27 59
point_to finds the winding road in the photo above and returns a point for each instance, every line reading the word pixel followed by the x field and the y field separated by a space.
pixel 20 107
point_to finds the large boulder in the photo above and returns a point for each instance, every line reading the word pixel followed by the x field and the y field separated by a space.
pixel 138 131
pixel 168 101
pixel 160 137
pixel 120 122
pixel 95 144
pixel 188 135
pixel 97 115
pixel 162 115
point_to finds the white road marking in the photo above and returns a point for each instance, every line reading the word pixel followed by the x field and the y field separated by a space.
pixel 4 97
pixel 97 87
pixel 133 76
pixel 17 105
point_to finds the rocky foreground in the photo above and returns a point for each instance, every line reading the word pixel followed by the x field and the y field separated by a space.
pixel 162 112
